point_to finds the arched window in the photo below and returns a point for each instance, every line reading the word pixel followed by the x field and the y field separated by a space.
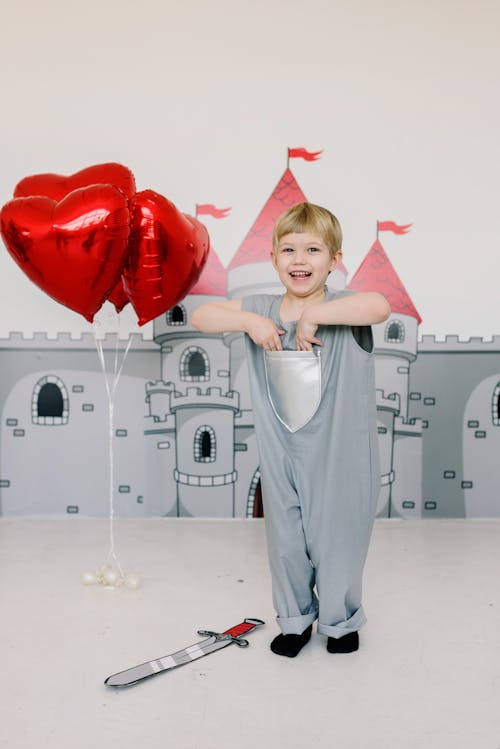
pixel 255 508
pixel 194 365
pixel 395 331
pixel 50 400
pixel 50 403
pixel 177 315
pixel 205 447
pixel 495 406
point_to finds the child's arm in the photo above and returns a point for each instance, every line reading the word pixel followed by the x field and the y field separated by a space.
pixel 225 317
pixel 362 308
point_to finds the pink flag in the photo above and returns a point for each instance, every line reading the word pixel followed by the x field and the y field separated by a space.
pixel 208 209
pixel 302 153
pixel 392 226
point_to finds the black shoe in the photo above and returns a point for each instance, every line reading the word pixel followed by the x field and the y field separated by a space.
pixel 346 644
pixel 291 645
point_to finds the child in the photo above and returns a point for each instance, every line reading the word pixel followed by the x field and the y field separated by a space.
pixel 313 394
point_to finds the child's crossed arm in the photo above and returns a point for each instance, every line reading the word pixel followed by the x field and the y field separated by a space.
pixel 361 308
pixel 224 317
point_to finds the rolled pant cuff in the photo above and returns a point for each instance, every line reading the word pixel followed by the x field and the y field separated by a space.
pixel 355 622
pixel 295 625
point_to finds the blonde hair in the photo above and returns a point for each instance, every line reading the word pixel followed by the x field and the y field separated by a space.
pixel 312 218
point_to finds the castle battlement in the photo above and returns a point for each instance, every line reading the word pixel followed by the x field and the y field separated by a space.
pixel 391 402
pixel 159 386
pixel 454 344
pixel 410 427
pixel 213 397
pixel 80 342
pixel 167 424
pixel 158 398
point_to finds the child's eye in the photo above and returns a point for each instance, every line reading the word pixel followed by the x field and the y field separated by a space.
pixel 287 249
pixel 313 249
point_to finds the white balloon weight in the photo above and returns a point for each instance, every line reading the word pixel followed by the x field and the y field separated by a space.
pixel 132 580
pixel 111 577
pixel 89 578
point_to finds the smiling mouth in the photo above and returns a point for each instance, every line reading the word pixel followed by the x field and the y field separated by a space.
pixel 300 274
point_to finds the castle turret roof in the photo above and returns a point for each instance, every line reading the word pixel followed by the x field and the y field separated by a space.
pixel 376 273
pixel 213 279
pixel 256 246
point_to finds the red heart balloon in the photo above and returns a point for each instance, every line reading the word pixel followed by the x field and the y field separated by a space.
pixel 167 252
pixel 75 249
pixel 57 186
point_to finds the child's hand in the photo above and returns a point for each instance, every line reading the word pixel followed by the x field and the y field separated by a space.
pixel 264 332
pixel 305 335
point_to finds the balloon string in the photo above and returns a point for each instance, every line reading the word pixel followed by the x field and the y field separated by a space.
pixel 111 390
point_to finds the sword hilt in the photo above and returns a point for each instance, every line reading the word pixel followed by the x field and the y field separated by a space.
pixel 219 636
pixel 234 633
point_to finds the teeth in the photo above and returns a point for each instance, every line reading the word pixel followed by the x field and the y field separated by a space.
pixel 299 273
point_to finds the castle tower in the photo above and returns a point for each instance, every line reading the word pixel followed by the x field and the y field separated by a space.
pixel 205 473
pixel 192 404
pixel 251 272
pixel 395 348
pixel 395 340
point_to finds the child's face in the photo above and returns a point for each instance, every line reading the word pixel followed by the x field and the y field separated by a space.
pixel 303 263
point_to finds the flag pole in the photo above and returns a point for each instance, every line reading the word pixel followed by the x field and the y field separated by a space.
pixel 377 228
pixel 196 210
pixel 288 157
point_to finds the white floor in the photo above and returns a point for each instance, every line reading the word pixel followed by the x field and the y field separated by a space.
pixel 427 674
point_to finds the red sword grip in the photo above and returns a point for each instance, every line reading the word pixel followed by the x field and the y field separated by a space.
pixel 243 628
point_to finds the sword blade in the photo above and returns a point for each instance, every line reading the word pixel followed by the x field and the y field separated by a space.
pixel 165 663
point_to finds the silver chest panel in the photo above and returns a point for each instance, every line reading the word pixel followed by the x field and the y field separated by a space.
pixel 293 381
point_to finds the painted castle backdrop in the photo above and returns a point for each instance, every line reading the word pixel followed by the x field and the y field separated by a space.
pixel 184 442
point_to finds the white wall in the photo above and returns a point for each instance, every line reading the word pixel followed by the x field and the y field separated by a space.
pixel 201 100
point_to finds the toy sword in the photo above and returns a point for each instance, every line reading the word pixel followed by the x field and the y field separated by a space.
pixel 214 641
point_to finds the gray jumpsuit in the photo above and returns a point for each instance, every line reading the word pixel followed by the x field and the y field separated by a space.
pixel 315 422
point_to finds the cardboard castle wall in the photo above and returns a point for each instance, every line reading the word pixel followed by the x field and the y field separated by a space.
pixel 438 423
